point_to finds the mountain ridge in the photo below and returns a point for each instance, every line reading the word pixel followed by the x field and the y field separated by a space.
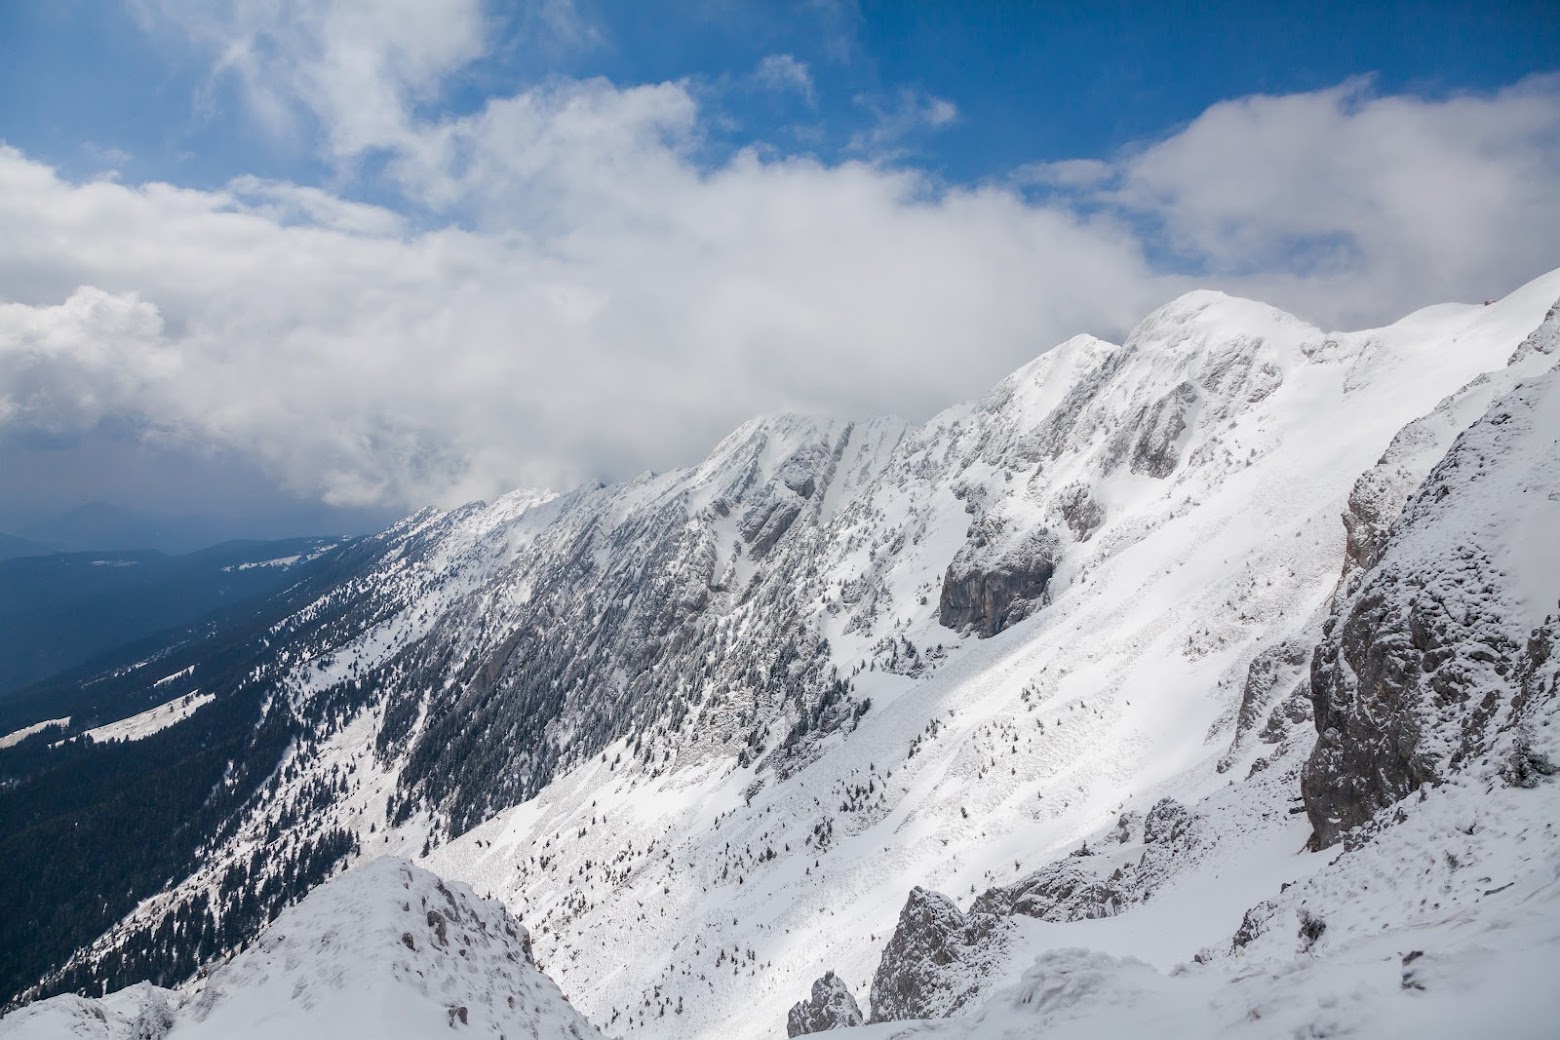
pixel 836 661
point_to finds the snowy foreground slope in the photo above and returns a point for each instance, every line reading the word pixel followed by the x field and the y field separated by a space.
pixel 386 950
pixel 1009 717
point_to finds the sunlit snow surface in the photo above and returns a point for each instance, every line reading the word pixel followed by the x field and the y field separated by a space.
pixel 144 724
pixel 19 735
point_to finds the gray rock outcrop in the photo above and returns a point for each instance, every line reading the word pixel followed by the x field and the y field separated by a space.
pixel 995 582
pixel 1157 449
pixel 1079 510
pixel 830 1007
pixel 1061 892
pixel 936 960
pixel 1275 668
pixel 1421 673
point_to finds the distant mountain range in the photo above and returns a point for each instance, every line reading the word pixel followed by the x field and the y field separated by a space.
pixel 61 610
pixel 102 526
pixel 12 546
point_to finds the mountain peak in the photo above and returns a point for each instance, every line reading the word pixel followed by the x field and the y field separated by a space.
pixel 385 950
pixel 1204 313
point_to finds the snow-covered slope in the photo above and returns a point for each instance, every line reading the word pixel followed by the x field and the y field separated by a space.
pixel 144 724
pixel 386 950
pixel 705 732
pixel 18 735
pixel 1125 686
pixel 1439 914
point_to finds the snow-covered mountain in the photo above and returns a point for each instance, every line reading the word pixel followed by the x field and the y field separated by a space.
pixel 1012 715
pixel 385 950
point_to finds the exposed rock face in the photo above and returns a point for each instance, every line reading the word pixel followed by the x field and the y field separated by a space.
pixel 1381 492
pixel 1530 758
pixel 1374 502
pixel 1062 891
pixel 1253 924
pixel 1173 839
pixel 831 1007
pixel 1543 340
pixel 936 960
pixel 940 959
pixel 1378 496
pixel 1158 446
pixel 772 515
pixel 1374 682
pixel 1273 669
pixel 1082 514
pixel 1276 668
pixel 993 584
pixel 1419 673
pixel 1268 918
pixel 1127 824
pixel 1074 889
pixel 1167 821
pixel 1291 711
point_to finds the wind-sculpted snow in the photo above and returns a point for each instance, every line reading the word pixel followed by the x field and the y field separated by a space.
pixel 705 731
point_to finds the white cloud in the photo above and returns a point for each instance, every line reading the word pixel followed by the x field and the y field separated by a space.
pixel 356 68
pixel 1065 174
pixel 601 303
pixel 455 364
pixel 64 369
pixel 783 72
pixel 288 203
pixel 910 112
pixel 1393 196
pixel 553 155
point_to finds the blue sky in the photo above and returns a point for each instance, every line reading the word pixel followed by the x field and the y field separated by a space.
pixel 274 257
pixel 91 85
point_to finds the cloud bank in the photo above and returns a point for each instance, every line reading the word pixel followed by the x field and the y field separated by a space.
pixel 566 290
